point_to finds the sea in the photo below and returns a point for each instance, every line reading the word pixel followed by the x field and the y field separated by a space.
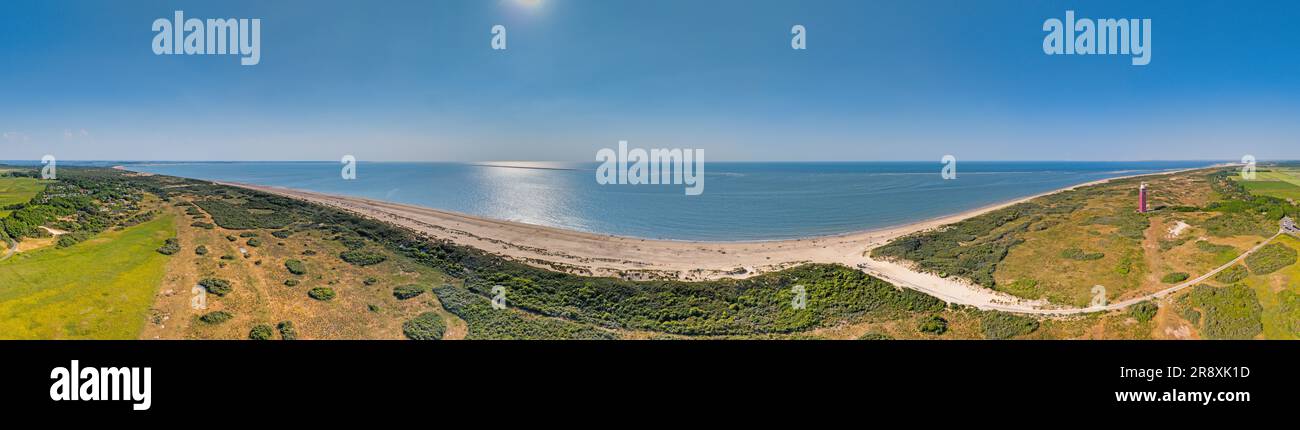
pixel 741 201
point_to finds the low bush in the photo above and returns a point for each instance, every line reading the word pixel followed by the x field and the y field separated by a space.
pixel 1078 254
pixel 1270 258
pixel 287 332
pixel 407 291
pixel 322 293
pixel 1174 278
pixel 170 247
pixel 1143 311
pixel 296 267
pixel 260 332
pixel 1002 325
pixel 291 283
pixel 254 242
pixel 201 250
pixel 1232 274
pixel 363 257
pixel 217 317
pixel 426 326
pixel 217 286
pixel 933 325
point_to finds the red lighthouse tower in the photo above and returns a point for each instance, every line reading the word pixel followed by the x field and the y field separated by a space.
pixel 1142 198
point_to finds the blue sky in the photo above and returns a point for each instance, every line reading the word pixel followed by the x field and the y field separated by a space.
pixel 880 80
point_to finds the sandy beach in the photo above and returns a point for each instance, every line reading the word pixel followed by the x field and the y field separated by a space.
pixel 636 258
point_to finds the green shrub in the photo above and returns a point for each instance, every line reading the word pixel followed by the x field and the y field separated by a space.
pixel 203 225
pixel 1174 278
pixel 933 325
pixel 217 286
pixel 171 246
pixel 370 281
pixel 254 242
pixel 363 257
pixel 1232 274
pixel 407 291
pixel 247 234
pixel 875 336
pixel 426 326
pixel 291 283
pixel 287 332
pixel 296 267
pixel 1002 325
pixel 1270 258
pixel 1143 311
pixel 283 234
pixel 231 238
pixel 201 250
pixel 260 332
pixel 321 293
pixel 487 323
pixel 228 257
pixel 217 317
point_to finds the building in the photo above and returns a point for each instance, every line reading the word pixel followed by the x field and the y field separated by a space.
pixel 1142 198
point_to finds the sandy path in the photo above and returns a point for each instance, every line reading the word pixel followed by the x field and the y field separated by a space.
pixel 635 258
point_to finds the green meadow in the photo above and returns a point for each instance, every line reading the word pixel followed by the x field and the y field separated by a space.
pixel 98 289
pixel 18 190
pixel 1283 183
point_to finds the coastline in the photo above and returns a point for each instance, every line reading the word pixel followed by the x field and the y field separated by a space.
pixel 594 254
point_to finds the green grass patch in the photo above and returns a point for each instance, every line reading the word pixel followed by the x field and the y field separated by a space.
pixel 1174 278
pixel 98 289
pixel 18 190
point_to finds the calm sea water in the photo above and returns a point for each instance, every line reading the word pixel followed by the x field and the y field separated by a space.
pixel 741 201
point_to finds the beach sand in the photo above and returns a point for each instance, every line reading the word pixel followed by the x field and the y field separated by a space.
pixel 635 258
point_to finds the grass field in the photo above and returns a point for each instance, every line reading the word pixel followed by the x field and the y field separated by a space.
pixel 18 190
pixel 1277 182
pixel 98 289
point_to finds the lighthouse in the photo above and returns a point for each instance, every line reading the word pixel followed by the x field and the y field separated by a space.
pixel 1142 198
